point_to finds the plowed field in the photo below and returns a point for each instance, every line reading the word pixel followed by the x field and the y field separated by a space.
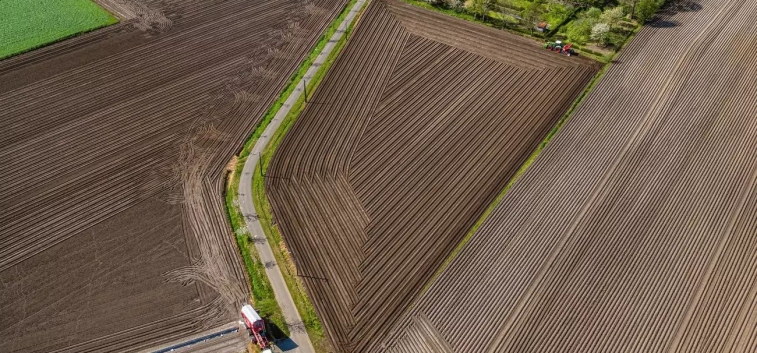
pixel 636 229
pixel 418 125
pixel 113 146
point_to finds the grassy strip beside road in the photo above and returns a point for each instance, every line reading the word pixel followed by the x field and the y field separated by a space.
pixel 262 292
pixel 295 285
pixel 261 289
pixel 29 24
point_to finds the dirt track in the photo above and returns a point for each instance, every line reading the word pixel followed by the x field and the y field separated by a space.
pixel 113 145
pixel 417 126
pixel 636 229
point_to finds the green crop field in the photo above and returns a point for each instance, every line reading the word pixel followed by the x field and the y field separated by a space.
pixel 29 24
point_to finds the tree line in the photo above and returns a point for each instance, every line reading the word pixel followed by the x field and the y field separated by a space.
pixel 605 22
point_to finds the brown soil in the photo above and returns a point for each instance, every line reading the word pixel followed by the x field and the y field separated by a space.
pixel 636 228
pixel 418 125
pixel 113 234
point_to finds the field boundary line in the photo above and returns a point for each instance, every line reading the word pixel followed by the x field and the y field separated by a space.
pixel 527 163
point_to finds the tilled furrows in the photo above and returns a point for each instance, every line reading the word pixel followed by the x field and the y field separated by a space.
pixel 411 134
pixel 634 231
pixel 125 155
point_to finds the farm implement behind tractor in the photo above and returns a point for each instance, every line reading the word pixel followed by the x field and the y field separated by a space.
pixel 256 328
pixel 560 47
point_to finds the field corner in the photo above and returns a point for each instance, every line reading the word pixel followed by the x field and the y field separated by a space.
pixel 55 23
pixel 608 61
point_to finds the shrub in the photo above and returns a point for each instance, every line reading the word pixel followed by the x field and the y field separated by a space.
pixel 615 39
pixel 579 31
pixel 599 33
pixel 646 9
pixel 592 13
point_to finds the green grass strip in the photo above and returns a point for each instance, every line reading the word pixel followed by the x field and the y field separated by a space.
pixel 261 288
pixel 29 24
pixel 295 285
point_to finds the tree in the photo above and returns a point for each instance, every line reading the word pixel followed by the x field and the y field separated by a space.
pixel 599 33
pixel 455 4
pixel 593 13
pixel 503 11
pixel 532 12
pixel 646 9
pixel 479 8
pixel 579 31
pixel 630 6
pixel 590 3
pixel 612 16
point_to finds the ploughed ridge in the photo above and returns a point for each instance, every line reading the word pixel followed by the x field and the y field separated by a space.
pixel 418 125
pixel 635 230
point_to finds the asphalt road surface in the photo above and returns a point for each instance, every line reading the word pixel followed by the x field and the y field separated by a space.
pixel 300 342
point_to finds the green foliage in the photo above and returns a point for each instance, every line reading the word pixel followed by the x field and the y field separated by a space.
pixel 579 31
pixel 645 9
pixel 593 13
pixel 532 12
pixel 556 14
pixel 479 8
pixel 593 3
pixel 572 20
pixel 262 292
pixel 615 39
pixel 599 33
pixel 612 16
pixel 29 24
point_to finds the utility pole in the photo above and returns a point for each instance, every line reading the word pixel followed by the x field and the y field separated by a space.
pixel 305 89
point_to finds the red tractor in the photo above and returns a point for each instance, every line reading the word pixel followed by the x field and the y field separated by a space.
pixel 255 327
pixel 558 46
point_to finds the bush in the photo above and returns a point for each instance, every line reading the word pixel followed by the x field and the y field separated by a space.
pixel 599 33
pixel 646 9
pixel 613 16
pixel 556 15
pixel 579 31
pixel 615 39
pixel 592 13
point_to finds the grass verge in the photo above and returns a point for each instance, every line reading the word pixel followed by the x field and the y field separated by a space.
pixel 262 292
pixel 29 24
pixel 295 285
pixel 261 288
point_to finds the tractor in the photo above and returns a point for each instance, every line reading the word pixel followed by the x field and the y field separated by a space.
pixel 560 47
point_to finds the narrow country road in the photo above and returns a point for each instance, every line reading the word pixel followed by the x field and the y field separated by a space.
pixel 299 337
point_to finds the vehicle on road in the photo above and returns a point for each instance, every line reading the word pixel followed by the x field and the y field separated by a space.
pixel 255 327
